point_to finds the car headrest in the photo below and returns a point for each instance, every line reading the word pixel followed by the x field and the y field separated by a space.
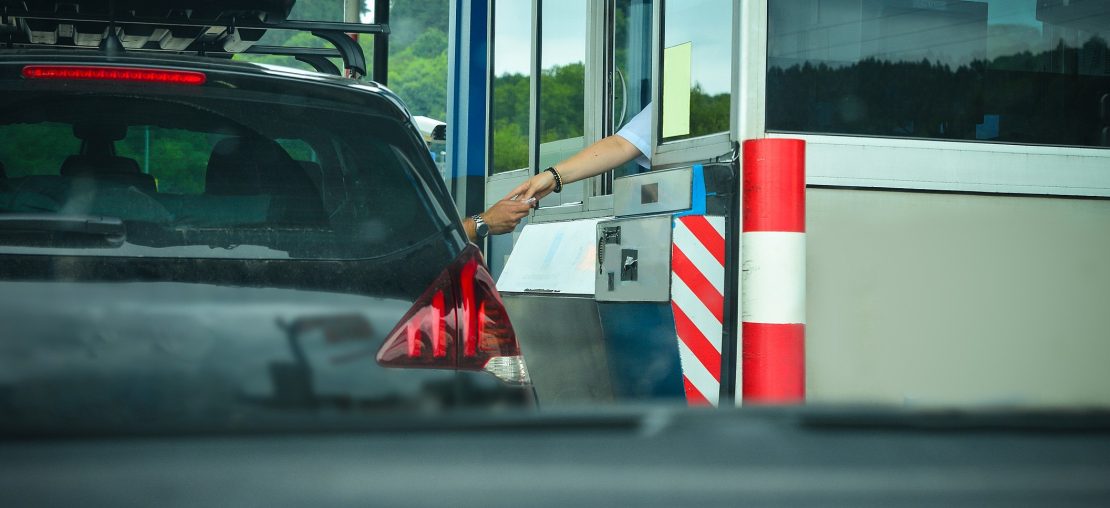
pixel 101 131
pixel 108 168
pixel 314 172
pixel 242 166
pixel 252 165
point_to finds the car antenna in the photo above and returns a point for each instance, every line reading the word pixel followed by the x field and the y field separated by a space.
pixel 111 44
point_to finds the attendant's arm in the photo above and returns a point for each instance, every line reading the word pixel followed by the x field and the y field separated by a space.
pixel 595 159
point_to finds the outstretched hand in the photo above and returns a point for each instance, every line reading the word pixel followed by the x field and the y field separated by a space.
pixel 536 187
pixel 505 215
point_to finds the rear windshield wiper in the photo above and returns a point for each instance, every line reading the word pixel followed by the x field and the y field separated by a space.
pixel 61 230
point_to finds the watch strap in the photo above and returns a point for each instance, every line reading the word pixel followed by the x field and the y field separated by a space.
pixel 481 229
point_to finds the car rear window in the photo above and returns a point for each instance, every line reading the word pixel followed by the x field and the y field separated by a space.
pixel 208 173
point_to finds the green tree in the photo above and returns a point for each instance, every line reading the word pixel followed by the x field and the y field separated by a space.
pixel 408 19
pixel 561 115
pixel 708 113
pixel 36 149
pixel 418 74
pixel 510 147
pixel 417 49
pixel 510 122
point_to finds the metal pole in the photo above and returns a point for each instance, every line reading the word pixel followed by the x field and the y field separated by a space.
pixel 351 11
pixel 146 150
pixel 381 43
pixel 468 103
pixel 730 340
pixel 773 284
pixel 351 15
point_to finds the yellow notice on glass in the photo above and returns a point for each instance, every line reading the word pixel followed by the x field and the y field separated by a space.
pixel 676 90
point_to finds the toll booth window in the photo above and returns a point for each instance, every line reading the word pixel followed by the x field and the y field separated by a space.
pixel 631 70
pixel 1016 71
pixel 562 88
pixel 697 58
pixel 511 60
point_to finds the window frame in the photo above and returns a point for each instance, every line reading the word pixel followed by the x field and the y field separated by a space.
pixel 964 166
pixel 594 202
pixel 598 198
pixel 491 80
pixel 684 151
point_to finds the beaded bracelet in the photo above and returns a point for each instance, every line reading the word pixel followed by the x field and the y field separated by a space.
pixel 558 180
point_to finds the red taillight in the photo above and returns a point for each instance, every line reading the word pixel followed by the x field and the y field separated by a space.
pixel 459 322
pixel 134 74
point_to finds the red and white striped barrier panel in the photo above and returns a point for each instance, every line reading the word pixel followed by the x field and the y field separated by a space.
pixel 697 299
pixel 773 271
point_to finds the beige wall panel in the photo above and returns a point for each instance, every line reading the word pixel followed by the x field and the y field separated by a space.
pixel 920 298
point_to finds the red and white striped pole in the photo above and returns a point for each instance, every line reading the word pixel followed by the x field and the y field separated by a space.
pixel 773 278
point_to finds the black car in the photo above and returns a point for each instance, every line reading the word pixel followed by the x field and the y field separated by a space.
pixel 192 239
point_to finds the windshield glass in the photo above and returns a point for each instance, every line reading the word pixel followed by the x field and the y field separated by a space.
pixel 284 242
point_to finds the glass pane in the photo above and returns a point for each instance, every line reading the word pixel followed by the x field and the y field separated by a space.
pixel 203 173
pixel 418 65
pixel 632 68
pixel 417 52
pixel 417 55
pixel 174 155
pixel 697 56
pixel 562 87
pixel 511 57
pixel 313 11
pixel 999 70
pixel 35 149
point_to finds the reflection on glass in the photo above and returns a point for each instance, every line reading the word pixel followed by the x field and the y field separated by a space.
pixel 417 52
pixel 511 43
pixel 562 86
pixel 631 32
pixel 418 56
pixel 707 26
pixel 999 70
pixel 631 59
pixel 315 11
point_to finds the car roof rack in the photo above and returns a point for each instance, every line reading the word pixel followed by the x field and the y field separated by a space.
pixel 216 28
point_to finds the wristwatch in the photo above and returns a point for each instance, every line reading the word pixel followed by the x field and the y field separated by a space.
pixel 480 226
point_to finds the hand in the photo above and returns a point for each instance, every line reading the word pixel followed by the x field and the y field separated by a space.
pixel 505 215
pixel 536 187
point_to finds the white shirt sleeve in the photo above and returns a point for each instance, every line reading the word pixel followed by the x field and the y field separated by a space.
pixel 638 132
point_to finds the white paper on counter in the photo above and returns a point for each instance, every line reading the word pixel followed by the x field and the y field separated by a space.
pixel 555 257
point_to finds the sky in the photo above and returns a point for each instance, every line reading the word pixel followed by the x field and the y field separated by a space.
pixel 512 26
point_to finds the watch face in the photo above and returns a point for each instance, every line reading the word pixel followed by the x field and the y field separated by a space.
pixel 482 229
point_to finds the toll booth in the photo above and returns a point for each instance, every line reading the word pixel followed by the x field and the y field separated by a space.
pixel 920 160
pixel 624 286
